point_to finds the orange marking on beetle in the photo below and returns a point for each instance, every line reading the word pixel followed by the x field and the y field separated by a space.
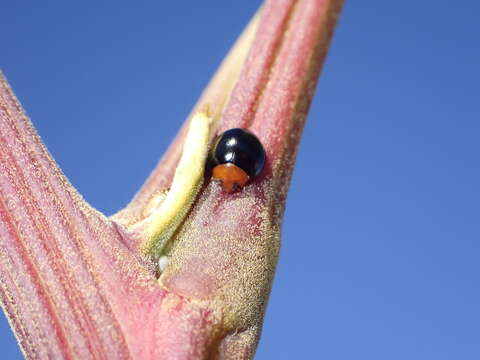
pixel 231 176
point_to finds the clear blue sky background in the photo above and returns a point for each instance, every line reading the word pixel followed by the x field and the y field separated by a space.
pixel 380 256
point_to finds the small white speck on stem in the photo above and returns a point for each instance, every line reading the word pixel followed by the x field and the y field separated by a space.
pixel 162 263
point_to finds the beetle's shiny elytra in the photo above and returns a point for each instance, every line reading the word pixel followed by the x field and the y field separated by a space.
pixel 238 156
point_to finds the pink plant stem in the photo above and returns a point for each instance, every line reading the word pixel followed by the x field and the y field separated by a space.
pixel 57 269
pixel 74 284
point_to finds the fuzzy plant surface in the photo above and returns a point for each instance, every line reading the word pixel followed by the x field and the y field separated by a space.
pixel 185 270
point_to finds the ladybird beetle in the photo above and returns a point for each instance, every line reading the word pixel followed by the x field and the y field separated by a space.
pixel 238 156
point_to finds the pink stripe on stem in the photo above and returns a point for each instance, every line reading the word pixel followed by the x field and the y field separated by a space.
pixel 246 95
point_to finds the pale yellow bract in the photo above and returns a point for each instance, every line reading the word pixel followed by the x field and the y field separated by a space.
pixel 186 183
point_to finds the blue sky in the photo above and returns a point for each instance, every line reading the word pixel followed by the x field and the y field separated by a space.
pixel 380 256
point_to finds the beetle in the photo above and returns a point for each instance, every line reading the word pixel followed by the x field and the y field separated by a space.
pixel 238 156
